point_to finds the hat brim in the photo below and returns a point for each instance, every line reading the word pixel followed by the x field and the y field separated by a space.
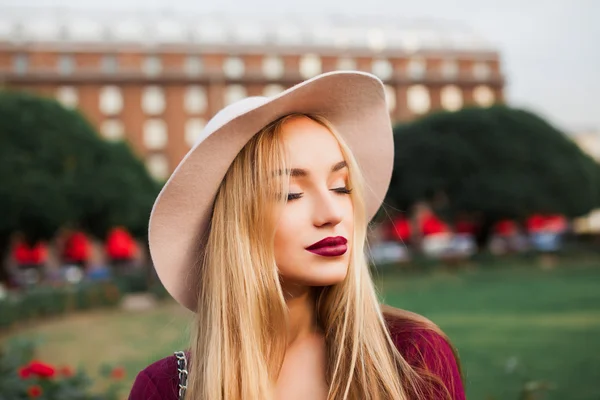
pixel 353 102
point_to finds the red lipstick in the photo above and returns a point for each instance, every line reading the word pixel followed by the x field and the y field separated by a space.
pixel 329 247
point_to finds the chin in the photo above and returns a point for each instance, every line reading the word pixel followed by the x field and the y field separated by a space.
pixel 327 275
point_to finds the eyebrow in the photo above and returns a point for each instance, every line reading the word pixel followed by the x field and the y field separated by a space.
pixel 299 172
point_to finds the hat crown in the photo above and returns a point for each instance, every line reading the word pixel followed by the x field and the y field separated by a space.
pixel 229 113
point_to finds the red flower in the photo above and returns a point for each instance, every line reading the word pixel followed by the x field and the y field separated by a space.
pixel 24 372
pixel 118 373
pixel 34 391
pixel 42 370
pixel 66 371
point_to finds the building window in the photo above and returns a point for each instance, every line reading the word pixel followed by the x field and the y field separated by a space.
pixel 66 64
pixel 382 68
pixel 112 129
pixel 390 97
pixel 272 90
pixel 451 98
pixel 193 65
pixel 234 93
pixel 109 64
pixel 111 100
pixel 273 67
pixel 346 64
pixel 234 67
pixel 152 66
pixel 193 130
pixel 483 96
pixel 158 166
pixel 481 71
pixel 21 64
pixel 195 100
pixel 153 100
pixel 418 99
pixel 155 134
pixel 416 68
pixel 310 65
pixel 449 69
pixel 67 96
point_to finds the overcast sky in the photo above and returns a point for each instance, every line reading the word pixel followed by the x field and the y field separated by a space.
pixel 550 48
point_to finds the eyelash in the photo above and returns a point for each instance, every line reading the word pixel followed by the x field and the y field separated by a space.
pixel 342 190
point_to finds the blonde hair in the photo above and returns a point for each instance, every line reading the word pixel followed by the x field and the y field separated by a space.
pixel 239 337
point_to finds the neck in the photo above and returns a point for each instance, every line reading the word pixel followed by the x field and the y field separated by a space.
pixel 301 308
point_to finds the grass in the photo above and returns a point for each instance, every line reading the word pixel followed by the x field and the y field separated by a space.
pixel 511 325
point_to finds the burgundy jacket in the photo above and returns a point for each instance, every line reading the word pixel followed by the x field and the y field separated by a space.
pixel 419 347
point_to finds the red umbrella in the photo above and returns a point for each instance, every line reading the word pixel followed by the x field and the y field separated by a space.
pixel 432 225
pixel 536 223
pixel 506 227
pixel 77 248
pixel 556 223
pixel 120 245
pixel 402 229
pixel 25 254
pixel 465 227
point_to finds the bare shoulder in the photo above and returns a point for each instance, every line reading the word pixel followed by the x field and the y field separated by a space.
pixel 158 381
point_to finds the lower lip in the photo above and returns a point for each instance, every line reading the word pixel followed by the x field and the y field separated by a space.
pixel 330 251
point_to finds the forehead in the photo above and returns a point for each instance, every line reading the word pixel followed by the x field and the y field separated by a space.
pixel 309 144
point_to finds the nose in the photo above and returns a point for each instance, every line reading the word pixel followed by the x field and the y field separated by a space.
pixel 327 211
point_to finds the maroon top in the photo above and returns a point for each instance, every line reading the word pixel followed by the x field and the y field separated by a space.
pixel 418 346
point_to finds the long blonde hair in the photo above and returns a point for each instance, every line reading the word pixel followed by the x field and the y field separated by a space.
pixel 239 337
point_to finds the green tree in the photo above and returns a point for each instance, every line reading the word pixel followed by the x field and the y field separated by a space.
pixel 497 162
pixel 127 193
pixel 56 171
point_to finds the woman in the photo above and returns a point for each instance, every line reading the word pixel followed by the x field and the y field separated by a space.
pixel 260 231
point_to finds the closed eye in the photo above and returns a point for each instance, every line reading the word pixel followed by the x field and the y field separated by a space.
pixel 342 190
pixel 294 196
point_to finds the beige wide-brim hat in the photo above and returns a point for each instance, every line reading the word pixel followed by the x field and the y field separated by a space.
pixel 354 103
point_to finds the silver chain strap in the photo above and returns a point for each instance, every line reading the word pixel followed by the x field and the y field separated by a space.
pixel 183 373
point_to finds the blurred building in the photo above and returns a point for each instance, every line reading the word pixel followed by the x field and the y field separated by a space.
pixel 156 79
pixel 589 142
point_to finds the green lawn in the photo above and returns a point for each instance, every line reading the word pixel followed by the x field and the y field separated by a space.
pixel 510 325
pixel 514 325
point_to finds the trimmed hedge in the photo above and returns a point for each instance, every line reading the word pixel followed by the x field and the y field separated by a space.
pixel 44 301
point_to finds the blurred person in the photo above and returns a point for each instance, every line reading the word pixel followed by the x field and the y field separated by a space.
pixel 436 236
pixel 97 268
pixel 546 232
pixel 396 248
pixel 390 247
pixel 260 232
pixel 30 260
pixel 505 233
pixel 464 243
pixel 76 249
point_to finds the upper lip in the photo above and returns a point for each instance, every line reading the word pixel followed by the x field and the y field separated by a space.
pixel 328 241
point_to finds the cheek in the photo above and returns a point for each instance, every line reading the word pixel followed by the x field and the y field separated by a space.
pixel 286 235
pixel 348 220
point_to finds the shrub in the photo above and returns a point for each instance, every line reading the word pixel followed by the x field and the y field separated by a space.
pixel 23 377
pixel 44 301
